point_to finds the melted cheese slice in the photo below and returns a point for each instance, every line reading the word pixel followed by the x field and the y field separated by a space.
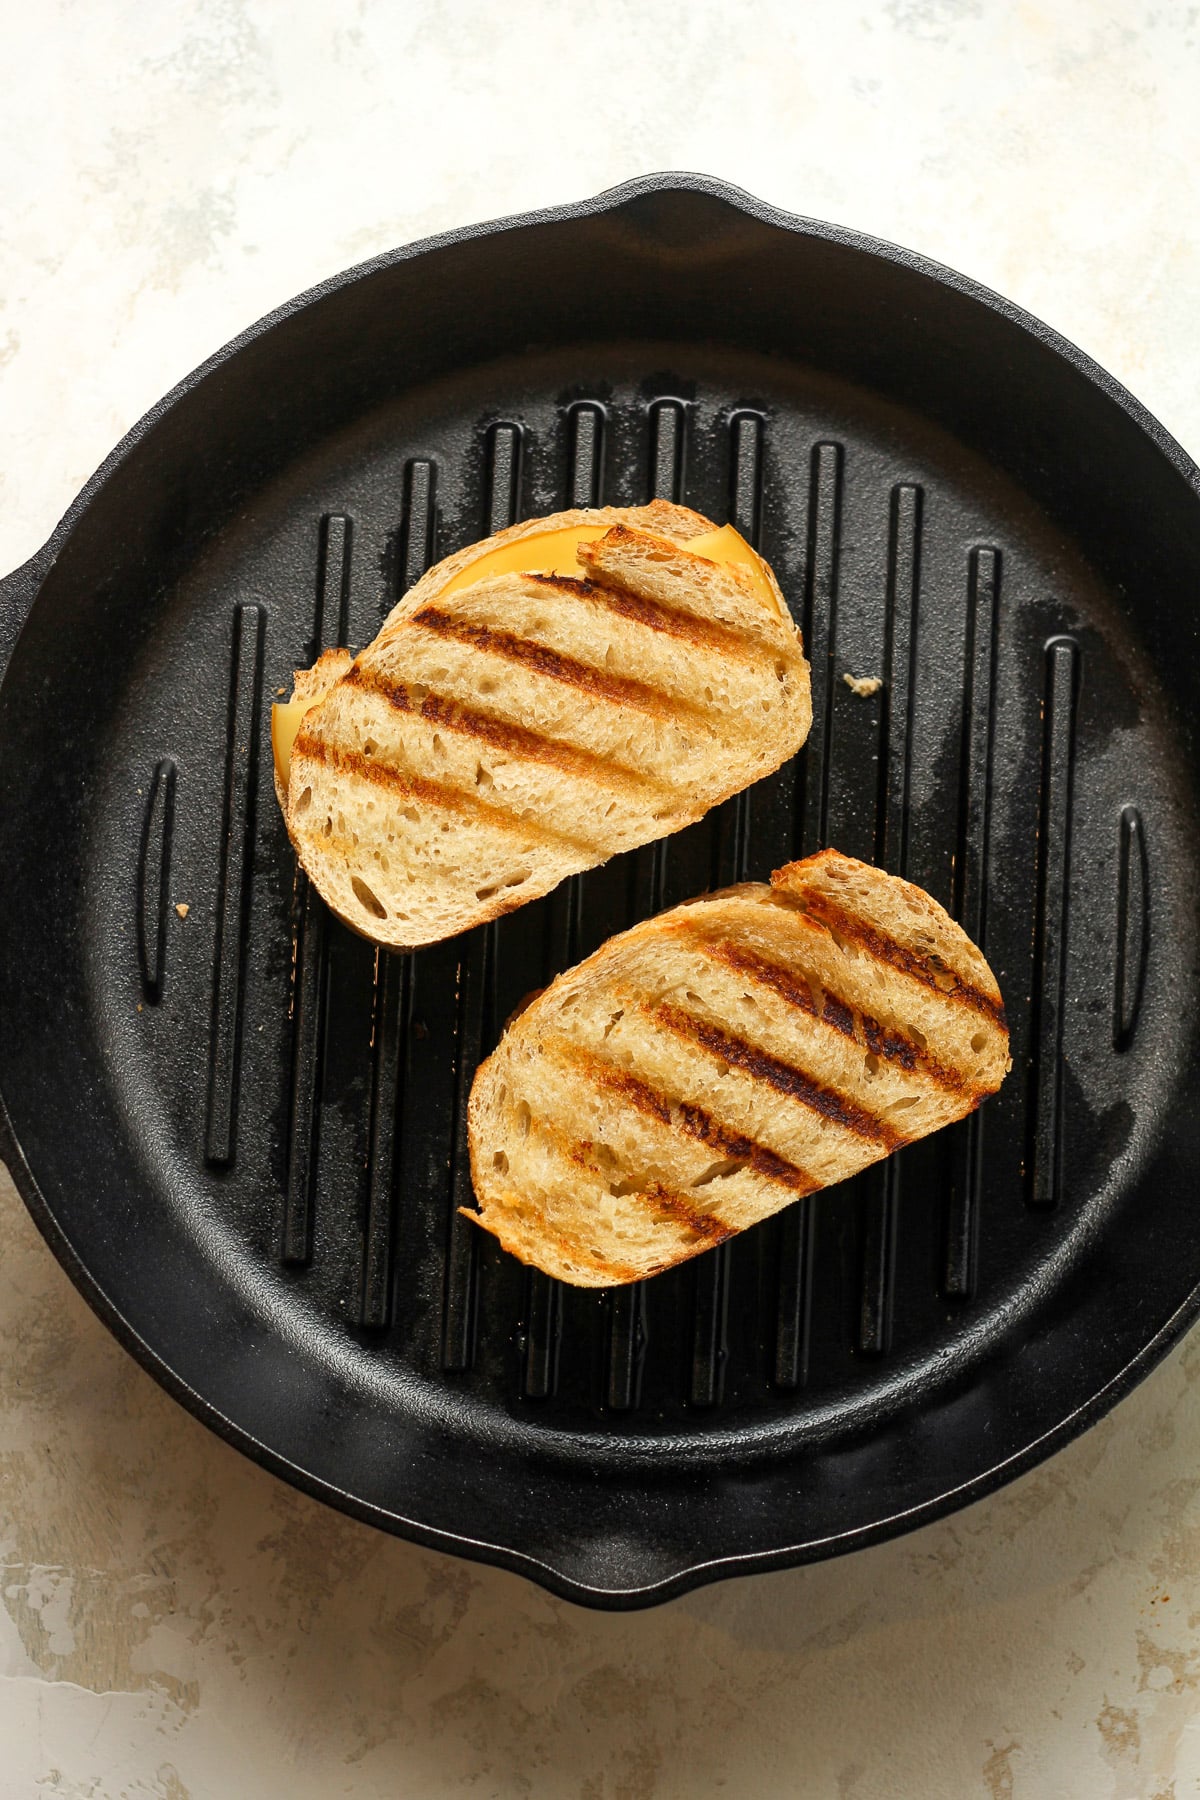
pixel 286 719
pixel 541 553
pixel 553 553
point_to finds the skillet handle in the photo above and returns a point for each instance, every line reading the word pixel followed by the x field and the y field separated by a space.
pixel 17 593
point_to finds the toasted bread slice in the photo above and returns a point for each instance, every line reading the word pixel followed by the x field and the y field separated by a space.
pixel 713 1064
pixel 501 735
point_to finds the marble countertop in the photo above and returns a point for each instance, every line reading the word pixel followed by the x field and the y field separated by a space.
pixel 176 1623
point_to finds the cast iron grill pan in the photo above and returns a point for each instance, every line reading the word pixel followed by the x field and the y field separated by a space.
pixel 243 1131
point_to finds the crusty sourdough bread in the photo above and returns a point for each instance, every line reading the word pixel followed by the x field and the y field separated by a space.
pixel 712 1064
pixel 496 739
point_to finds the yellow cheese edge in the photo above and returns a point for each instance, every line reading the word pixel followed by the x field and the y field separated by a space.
pixel 286 719
pixel 541 553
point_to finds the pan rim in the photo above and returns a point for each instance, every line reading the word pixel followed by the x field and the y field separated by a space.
pixel 613 199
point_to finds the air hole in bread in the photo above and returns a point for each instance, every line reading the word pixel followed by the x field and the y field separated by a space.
pixel 500 1161
pixel 870 1064
pixel 781 671
pixel 328 827
pixel 410 813
pixel 978 1041
pixel 618 1189
pixel 483 776
pixel 618 1015
pixel 749 1000
pixel 903 1105
pixel 486 685
pixel 918 1037
pixel 719 1171
pixel 303 801
pixel 369 901
pixel 524 1119
pixel 514 880
pixel 370 747
pixel 439 749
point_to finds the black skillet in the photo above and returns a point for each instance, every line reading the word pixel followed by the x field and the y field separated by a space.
pixel 242 1135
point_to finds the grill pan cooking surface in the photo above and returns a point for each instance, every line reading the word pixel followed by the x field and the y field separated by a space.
pixel 243 1133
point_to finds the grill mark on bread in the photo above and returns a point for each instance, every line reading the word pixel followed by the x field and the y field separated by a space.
pixel 838 1013
pixel 621 690
pixel 656 616
pixel 881 1040
pixel 784 1077
pixel 679 1115
pixel 677 1209
pixel 667 1202
pixel 897 956
pixel 436 794
pixel 502 734
pixel 620 536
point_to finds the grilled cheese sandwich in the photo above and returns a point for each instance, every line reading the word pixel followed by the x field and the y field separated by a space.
pixel 573 687
pixel 716 1063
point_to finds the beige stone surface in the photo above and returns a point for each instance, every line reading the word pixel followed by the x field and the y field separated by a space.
pixel 173 1621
